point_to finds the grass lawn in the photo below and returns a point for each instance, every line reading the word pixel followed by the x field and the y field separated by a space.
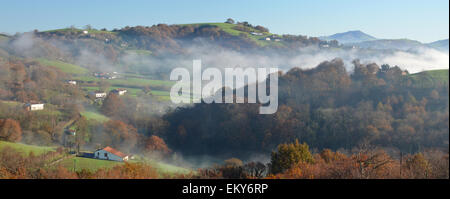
pixel 430 78
pixel 26 149
pixel 95 164
pixel 229 28
pixel 133 82
pixel 161 95
pixel 93 115
pixel 168 168
pixel 87 163
pixel 2 37
pixel 64 67
pixel 11 103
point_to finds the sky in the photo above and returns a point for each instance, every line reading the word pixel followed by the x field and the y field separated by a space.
pixel 422 20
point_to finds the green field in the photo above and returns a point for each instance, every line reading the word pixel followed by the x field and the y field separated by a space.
pixel 87 163
pixel 3 37
pixel 168 168
pixel 133 92
pixel 94 115
pixel 64 67
pixel 95 164
pixel 11 103
pixel 229 28
pixel 430 78
pixel 26 149
pixel 128 82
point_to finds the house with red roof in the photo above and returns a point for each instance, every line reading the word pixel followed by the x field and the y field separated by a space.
pixel 109 153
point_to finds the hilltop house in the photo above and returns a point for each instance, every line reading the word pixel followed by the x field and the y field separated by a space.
pixel 98 94
pixel 109 153
pixel 34 106
pixel 119 91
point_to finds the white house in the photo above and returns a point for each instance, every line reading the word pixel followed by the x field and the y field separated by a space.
pixel 85 32
pixel 257 33
pixel 109 153
pixel 267 38
pixel 120 91
pixel 34 106
pixel 98 94
pixel 72 82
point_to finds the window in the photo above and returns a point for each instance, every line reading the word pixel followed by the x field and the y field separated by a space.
pixel 106 154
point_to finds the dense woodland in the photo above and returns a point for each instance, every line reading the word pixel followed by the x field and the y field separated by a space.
pixel 325 107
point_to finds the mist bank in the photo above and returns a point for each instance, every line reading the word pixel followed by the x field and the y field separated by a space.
pixel 105 57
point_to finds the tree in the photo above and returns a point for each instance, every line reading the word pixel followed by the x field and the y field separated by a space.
pixel 88 27
pixel 233 162
pixel 10 130
pixel 417 166
pixel 230 21
pixel 112 105
pixel 119 135
pixel 262 28
pixel 156 144
pixel 289 154
pixel 104 85
pixel 254 169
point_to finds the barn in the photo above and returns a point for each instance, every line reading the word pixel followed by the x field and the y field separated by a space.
pixel 34 106
pixel 109 153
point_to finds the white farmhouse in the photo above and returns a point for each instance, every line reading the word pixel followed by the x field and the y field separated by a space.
pixel 72 82
pixel 34 106
pixel 257 33
pixel 98 94
pixel 109 153
pixel 120 91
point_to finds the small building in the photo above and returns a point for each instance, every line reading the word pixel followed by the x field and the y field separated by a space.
pixel 102 75
pixel 267 38
pixel 34 106
pixel 109 153
pixel 98 94
pixel 119 91
pixel 71 132
pixel 71 82
pixel 85 32
pixel 257 33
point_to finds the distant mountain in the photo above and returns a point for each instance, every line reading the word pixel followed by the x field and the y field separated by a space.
pixel 397 44
pixel 440 45
pixel 349 37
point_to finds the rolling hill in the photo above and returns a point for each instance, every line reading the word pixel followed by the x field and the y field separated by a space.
pixel 355 36
pixel 396 44
pixel 440 45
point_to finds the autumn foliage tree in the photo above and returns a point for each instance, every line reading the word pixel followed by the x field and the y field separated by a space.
pixel 10 130
pixel 288 155
pixel 156 144
pixel 113 105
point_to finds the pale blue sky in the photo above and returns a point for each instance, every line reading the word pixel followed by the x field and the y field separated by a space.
pixel 423 20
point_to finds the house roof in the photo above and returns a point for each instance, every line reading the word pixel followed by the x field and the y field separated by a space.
pixel 115 152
